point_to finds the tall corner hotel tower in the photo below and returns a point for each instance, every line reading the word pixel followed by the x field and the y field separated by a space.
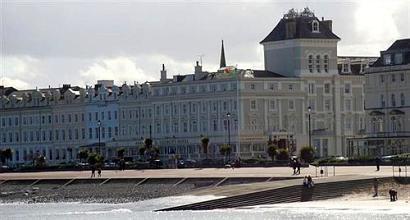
pixel 244 108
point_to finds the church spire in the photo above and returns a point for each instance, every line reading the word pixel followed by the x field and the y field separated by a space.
pixel 223 61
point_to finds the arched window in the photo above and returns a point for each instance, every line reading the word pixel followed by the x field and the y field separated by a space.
pixel 318 63
pixel 402 99
pixel 310 62
pixel 326 63
pixel 393 124
pixel 315 26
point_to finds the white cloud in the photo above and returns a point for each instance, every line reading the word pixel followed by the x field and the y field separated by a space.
pixel 16 83
pixel 19 71
pixel 119 69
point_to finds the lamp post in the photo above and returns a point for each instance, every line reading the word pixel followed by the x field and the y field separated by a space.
pixel 229 132
pixel 99 136
pixel 310 132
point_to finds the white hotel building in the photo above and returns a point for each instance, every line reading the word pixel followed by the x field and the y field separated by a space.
pixel 301 71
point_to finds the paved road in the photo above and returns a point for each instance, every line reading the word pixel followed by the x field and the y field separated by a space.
pixel 208 172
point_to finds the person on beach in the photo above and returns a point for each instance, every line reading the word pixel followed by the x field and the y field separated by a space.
pixel 393 195
pixel 92 171
pixel 305 182
pixel 376 187
pixel 310 181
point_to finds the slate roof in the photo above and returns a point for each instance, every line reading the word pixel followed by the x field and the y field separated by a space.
pixel 265 73
pixel 303 30
pixel 399 46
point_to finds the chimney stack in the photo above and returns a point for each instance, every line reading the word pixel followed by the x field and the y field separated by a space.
pixel 328 24
pixel 163 74
pixel 198 68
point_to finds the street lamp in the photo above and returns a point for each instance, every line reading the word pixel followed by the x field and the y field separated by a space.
pixel 229 130
pixel 99 136
pixel 310 132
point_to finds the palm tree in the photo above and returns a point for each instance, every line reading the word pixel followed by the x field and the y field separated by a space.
pixel 225 150
pixel 205 142
pixel 272 151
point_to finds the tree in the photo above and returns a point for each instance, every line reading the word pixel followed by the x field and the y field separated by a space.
pixel 283 154
pixel 95 159
pixel 141 150
pixel 205 143
pixel 121 152
pixel 40 161
pixel 225 150
pixel 307 154
pixel 6 155
pixel 148 143
pixel 83 155
pixel 272 151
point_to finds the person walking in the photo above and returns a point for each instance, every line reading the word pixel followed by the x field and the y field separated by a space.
pixel 99 171
pixel 298 164
pixel 376 187
pixel 378 161
pixel 92 171
pixel 294 167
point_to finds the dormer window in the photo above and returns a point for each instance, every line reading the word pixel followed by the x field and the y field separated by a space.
pixel 398 58
pixel 315 26
pixel 387 59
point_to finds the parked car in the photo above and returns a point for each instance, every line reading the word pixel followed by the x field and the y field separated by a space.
pixel 188 163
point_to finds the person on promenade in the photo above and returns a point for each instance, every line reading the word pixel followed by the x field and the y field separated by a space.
pixel 293 162
pixel 92 171
pixel 99 171
pixel 298 166
pixel 376 187
pixel 378 164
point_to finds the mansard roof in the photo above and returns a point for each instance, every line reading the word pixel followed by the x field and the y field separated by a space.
pixel 302 24
pixel 265 73
pixel 401 46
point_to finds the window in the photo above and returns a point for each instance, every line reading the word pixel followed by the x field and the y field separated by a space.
pixel 398 58
pixel 90 133
pixel 291 104
pixel 318 63
pixel 253 104
pixel 345 68
pixel 326 63
pixel 348 124
pixel 402 77
pixel 253 86
pixel 382 102
pixel 387 59
pixel 402 99
pixel 393 78
pixel 348 105
pixel 272 104
pixel 315 26
pixel 215 125
pixel 311 88
pixel 327 88
pixel 327 105
pixel 347 88
pixel 381 78
pixel 290 87
pixel 393 100
pixel 310 61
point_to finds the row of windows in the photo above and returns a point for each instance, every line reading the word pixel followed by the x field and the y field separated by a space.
pixel 393 100
pixel 389 58
pixel 57 135
pixel 194 89
pixel 317 64
pixel 393 78
pixel 101 116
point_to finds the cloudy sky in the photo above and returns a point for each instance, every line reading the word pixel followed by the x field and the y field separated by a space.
pixel 54 42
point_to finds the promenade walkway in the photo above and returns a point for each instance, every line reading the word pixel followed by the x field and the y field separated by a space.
pixel 207 172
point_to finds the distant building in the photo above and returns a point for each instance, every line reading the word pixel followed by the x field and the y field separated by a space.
pixel 387 92
pixel 245 108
